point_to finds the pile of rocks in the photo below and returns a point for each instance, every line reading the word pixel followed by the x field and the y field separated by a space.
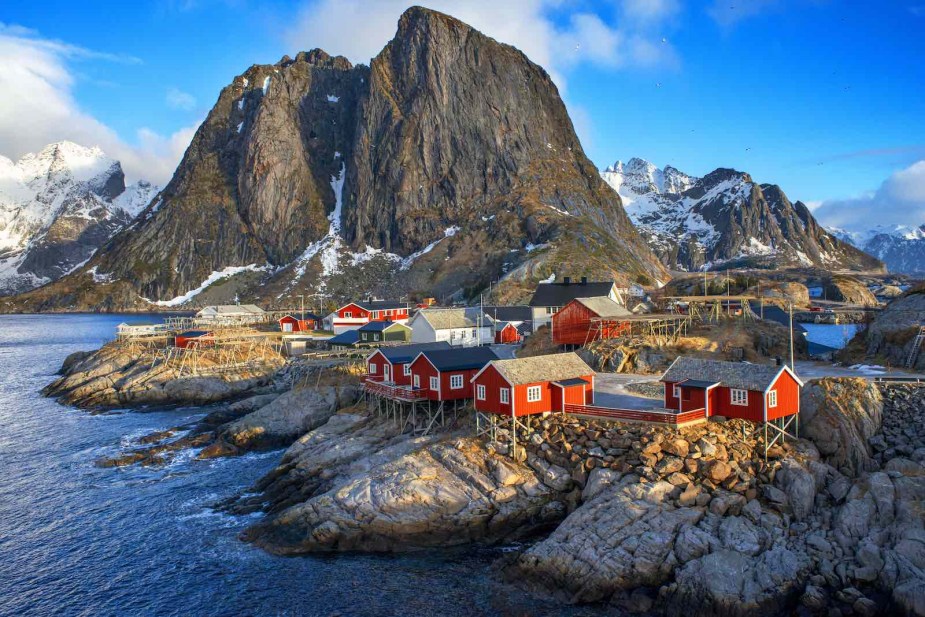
pixel 903 430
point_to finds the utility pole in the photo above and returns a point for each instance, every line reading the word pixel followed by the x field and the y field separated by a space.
pixel 792 367
pixel 302 304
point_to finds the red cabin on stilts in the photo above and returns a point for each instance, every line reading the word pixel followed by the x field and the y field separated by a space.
pixel 445 374
pixel 589 319
pixel 393 364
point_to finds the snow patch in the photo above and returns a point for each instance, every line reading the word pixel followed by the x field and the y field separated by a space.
pixel 211 279
pixel 332 98
pixel 266 83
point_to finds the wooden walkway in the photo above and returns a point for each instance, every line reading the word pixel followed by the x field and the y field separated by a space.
pixel 651 416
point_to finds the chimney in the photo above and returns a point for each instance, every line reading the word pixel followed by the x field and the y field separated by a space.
pixel 584 280
pixel 567 280
pixel 778 361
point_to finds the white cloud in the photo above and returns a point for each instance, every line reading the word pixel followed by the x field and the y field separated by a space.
pixel 900 200
pixel 178 99
pixel 38 107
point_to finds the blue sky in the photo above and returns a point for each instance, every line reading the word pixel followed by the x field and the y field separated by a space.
pixel 825 98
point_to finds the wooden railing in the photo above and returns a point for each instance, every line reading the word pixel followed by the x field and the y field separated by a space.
pixel 638 415
pixel 400 393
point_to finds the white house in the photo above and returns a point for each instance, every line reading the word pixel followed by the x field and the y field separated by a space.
pixel 460 327
pixel 231 314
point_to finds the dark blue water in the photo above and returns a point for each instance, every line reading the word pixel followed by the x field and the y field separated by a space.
pixel 78 540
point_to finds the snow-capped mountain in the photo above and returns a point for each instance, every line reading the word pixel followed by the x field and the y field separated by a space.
pixel 900 247
pixel 57 207
pixel 725 219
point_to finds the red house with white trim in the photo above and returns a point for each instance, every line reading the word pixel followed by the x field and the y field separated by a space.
pixel 352 316
pixel 506 332
pixel 539 384
pixel 583 320
pixel 446 374
pixel 755 392
pixel 288 323
pixel 392 365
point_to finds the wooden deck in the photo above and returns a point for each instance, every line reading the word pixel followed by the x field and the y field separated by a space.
pixel 651 416
pixel 398 393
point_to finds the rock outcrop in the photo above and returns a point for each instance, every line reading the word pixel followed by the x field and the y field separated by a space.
pixel 447 163
pixel 890 337
pixel 117 375
pixel 849 290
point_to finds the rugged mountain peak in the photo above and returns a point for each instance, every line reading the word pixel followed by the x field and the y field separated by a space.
pixel 448 163
pixel 57 206
pixel 725 219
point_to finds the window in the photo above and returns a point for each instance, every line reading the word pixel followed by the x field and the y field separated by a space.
pixel 534 394
pixel 434 383
pixel 417 381
pixel 456 382
pixel 475 332
pixel 375 314
pixel 373 367
pixel 348 314
pixel 551 310
pixel 738 397
pixel 676 391
pixel 505 395
pixel 772 398
pixel 406 369
pixel 364 336
pixel 480 392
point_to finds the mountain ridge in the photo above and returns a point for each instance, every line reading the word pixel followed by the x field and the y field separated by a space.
pixel 726 219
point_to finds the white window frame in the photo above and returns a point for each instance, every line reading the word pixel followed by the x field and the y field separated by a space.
pixel 348 314
pixel 406 369
pixel 738 396
pixel 456 379
pixel 676 390
pixel 417 382
pixel 504 395
pixel 772 398
pixel 434 383
pixel 364 336
pixel 534 394
pixel 375 314
pixel 373 367
pixel 480 392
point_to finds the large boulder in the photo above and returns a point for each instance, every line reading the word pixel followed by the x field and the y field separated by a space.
pixel 840 415
pixel 849 290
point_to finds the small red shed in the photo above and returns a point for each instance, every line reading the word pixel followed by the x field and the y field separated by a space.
pixel 289 323
pixel 445 374
pixel 755 392
pixel 194 338
pixel 393 364
pixel 506 332
pixel 539 384
pixel 589 319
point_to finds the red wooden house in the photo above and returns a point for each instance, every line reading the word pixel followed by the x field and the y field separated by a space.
pixel 583 320
pixel 288 323
pixel 393 364
pixel 194 338
pixel 445 374
pixel 356 314
pixel 539 384
pixel 755 392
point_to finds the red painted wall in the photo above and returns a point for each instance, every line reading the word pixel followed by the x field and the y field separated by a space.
pixel 197 341
pixel 721 403
pixel 397 370
pixel 357 312
pixel 551 399
pixel 572 326
pixel 493 382
pixel 424 370
pixel 693 398
pixel 788 397
pixel 508 335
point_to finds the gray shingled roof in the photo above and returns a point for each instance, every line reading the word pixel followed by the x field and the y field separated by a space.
pixel 553 367
pixel 604 307
pixel 730 374
pixel 450 318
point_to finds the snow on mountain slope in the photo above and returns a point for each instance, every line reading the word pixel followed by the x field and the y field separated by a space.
pixel 57 207
pixel 900 247
pixel 725 219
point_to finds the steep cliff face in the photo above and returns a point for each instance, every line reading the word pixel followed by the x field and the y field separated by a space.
pixel 726 219
pixel 57 207
pixel 448 163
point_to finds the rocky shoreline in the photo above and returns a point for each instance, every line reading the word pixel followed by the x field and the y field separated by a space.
pixel 642 518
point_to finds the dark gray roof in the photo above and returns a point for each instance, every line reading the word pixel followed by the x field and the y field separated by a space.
pixel 379 326
pixel 406 353
pixel 699 383
pixel 575 381
pixel 348 337
pixel 380 305
pixel 560 294
pixel 509 313
pixel 460 359
pixel 730 374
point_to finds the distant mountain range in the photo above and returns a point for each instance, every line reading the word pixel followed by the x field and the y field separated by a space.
pixel 447 164
pixel 900 247
pixel 726 220
pixel 57 207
